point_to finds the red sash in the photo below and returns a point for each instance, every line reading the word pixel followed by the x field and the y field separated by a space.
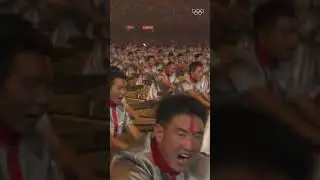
pixel 160 161
pixel 10 140
pixel 113 107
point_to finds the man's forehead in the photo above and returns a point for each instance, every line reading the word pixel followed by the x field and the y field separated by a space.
pixel 188 122
pixel 119 82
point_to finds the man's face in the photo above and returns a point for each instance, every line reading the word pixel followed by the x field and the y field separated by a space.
pixel 282 39
pixel 152 62
pixel 197 73
pixel 138 54
pixel 130 56
pixel 180 59
pixel 246 174
pixel 171 69
pixel 27 91
pixel 118 90
pixel 180 140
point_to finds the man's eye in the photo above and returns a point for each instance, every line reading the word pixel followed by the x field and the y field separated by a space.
pixel 182 134
pixel 199 136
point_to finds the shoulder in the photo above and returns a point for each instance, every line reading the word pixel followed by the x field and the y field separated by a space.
pixel 132 165
pixel 200 169
pixel 129 170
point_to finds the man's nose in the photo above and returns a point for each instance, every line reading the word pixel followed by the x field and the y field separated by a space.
pixel 188 144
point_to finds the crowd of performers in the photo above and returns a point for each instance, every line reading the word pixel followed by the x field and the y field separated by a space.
pixel 178 79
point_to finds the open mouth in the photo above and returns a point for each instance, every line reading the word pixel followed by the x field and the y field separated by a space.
pixel 183 158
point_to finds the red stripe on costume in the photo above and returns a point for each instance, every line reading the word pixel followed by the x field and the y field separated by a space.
pixel 14 166
pixel 10 140
pixel 113 107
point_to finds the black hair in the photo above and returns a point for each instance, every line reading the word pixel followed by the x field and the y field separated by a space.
pixel 150 57
pixel 267 14
pixel 178 104
pixel 193 66
pixel 197 55
pixel 19 36
pixel 130 53
pixel 179 55
pixel 243 137
pixel 170 62
pixel 116 73
pixel 170 54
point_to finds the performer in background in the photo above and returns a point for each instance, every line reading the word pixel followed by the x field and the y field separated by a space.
pixel 192 83
pixel 119 117
pixel 164 82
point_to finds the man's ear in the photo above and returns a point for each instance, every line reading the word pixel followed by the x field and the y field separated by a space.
pixel 158 131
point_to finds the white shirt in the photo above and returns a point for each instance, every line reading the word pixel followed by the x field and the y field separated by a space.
pixel 121 119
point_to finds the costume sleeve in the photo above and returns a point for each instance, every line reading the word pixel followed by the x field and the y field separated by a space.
pixel 125 170
pixel 186 86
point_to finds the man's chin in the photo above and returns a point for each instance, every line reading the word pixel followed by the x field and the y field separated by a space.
pixel 180 167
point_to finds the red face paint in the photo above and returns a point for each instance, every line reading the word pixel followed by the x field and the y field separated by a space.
pixel 192 125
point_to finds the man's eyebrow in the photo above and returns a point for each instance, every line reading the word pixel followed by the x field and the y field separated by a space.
pixel 199 133
pixel 187 131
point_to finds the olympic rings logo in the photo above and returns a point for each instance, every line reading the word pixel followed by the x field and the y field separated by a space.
pixel 197 12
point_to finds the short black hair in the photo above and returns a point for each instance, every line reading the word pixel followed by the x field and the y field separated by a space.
pixel 170 54
pixel 170 62
pixel 178 104
pixel 18 36
pixel 179 55
pixel 193 66
pixel 150 57
pixel 197 55
pixel 244 137
pixel 267 14
pixel 130 53
pixel 115 73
